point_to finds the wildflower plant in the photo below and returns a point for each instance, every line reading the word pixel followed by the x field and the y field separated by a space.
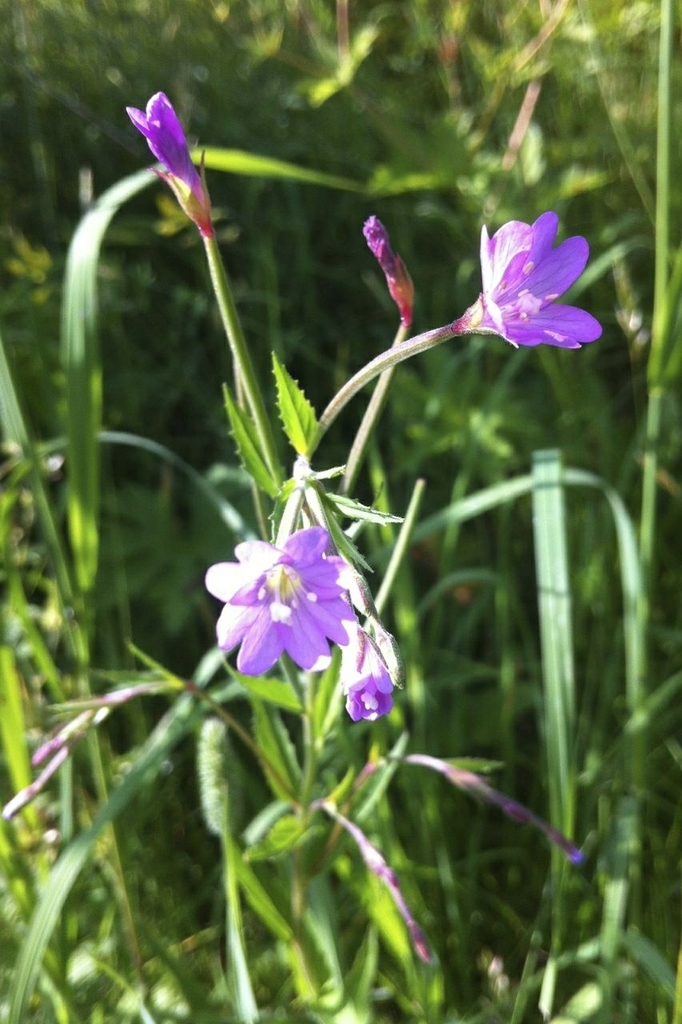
pixel 296 621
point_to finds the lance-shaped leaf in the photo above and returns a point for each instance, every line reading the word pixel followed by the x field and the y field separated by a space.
pixel 245 438
pixel 297 414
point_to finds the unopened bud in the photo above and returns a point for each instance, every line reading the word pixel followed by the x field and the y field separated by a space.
pixel 397 278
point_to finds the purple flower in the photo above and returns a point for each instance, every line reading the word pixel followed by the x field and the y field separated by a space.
pixel 289 599
pixel 397 278
pixel 522 276
pixel 365 679
pixel 162 129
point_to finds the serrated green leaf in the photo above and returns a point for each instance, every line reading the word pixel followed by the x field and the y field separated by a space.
pixel 283 836
pixel 353 509
pixel 281 767
pixel 246 441
pixel 297 414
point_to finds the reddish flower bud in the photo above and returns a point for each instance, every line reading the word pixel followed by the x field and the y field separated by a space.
pixel 399 282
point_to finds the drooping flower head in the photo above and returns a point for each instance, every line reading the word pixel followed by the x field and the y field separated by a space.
pixel 365 678
pixel 397 278
pixel 164 134
pixel 289 599
pixel 522 276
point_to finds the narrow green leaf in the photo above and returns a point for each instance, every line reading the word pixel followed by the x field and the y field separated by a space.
pixel 652 962
pixel 281 769
pixel 12 725
pixel 632 586
pixel 261 903
pixel 245 438
pixel 236 161
pixel 353 509
pixel 556 635
pixel 379 781
pixel 473 506
pixel 238 971
pixel 617 869
pixel 80 354
pixel 582 1007
pixel 284 835
pixel 297 414
pixel 273 691
pixel 225 509
pixel 16 431
pixel 345 546
pixel 328 701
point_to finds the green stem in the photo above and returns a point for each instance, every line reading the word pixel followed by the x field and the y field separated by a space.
pixel 300 872
pixel 397 354
pixel 372 413
pixel 401 545
pixel 663 145
pixel 647 535
pixel 656 368
pixel 243 366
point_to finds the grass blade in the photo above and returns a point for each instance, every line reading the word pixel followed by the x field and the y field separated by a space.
pixel 556 635
pixel 80 354
pixel 167 734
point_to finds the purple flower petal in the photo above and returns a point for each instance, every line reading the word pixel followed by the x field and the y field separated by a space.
pixel 262 644
pixel 544 232
pixel 522 277
pixel 497 252
pixel 291 599
pixel 224 579
pixel 553 275
pixel 305 642
pixel 165 136
pixel 365 678
pixel 233 624
pixel 562 326
pixel 164 133
pixel 306 546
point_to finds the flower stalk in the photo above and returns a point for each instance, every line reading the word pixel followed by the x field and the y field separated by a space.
pixel 385 361
pixel 243 367
pixel 371 415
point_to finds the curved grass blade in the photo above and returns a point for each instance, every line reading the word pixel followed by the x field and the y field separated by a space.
pixel 80 355
pixel 474 505
pixel 15 430
pixel 227 512
pixel 237 161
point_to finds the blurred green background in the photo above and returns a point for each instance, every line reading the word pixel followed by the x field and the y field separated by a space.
pixel 438 117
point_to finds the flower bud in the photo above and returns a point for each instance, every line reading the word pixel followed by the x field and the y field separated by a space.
pixel 397 278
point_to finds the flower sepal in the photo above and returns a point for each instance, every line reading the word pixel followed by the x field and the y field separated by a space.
pixel 196 207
